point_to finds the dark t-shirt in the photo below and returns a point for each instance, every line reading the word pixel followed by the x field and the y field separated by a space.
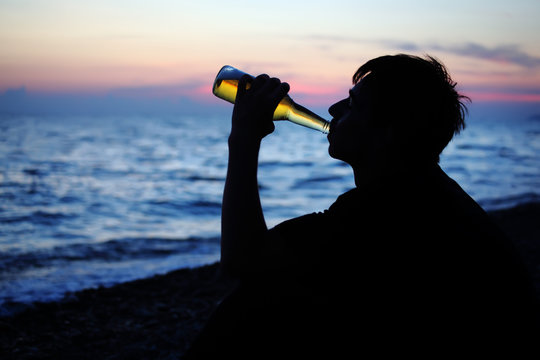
pixel 417 248
pixel 409 263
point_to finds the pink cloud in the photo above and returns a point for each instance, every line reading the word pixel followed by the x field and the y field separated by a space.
pixel 503 97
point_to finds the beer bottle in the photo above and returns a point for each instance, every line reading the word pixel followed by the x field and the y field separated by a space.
pixel 226 86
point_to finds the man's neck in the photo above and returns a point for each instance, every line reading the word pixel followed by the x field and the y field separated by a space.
pixel 366 177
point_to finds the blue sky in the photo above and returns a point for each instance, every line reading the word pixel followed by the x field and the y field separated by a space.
pixel 168 52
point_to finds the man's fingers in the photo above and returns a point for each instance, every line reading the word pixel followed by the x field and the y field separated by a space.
pixel 260 82
pixel 243 85
pixel 281 90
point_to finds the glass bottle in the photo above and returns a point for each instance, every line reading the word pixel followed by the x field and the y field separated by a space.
pixel 226 86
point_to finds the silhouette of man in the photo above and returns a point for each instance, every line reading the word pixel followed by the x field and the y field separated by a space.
pixel 404 263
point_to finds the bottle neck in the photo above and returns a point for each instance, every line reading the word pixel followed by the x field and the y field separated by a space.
pixel 303 116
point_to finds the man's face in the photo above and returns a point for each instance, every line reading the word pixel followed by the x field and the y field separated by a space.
pixel 352 135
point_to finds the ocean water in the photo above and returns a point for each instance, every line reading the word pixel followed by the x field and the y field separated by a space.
pixel 92 201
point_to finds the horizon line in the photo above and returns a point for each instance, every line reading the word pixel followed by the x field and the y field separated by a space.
pixel 203 94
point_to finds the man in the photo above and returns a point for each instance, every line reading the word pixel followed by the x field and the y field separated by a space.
pixel 406 262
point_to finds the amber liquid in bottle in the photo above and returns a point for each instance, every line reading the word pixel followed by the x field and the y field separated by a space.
pixel 226 86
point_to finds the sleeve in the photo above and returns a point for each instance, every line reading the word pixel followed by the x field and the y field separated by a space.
pixel 303 244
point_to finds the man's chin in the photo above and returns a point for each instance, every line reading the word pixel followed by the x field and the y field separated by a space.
pixel 330 149
pixel 332 152
pixel 336 155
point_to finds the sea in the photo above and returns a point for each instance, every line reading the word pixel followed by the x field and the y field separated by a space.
pixel 90 201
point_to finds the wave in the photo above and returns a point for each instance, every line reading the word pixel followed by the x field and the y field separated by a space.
pixel 194 207
pixel 510 201
pixel 204 178
pixel 480 147
pixel 285 163
pixel 37 217
pixel 120 249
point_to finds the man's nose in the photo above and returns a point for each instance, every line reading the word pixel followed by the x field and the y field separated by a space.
pixel 336 109
pixel 332 110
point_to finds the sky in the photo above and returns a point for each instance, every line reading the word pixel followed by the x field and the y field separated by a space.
pixel 169 51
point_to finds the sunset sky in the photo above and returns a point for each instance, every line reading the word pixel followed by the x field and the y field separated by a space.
pixel 174 48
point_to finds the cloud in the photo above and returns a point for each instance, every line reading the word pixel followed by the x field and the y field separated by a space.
pixel 505 53
pixel 510 53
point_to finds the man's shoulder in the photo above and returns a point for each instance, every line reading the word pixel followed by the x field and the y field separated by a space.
pixel 319 226
pixel 301 223
pixel 458 202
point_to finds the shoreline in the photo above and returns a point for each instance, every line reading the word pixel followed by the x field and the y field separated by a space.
pixel 158 317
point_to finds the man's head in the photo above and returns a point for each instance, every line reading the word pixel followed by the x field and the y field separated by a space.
pixel 402 107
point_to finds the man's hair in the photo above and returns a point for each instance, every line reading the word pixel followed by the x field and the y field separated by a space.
pixel 417 97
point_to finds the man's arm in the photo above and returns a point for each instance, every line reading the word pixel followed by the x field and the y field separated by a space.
pixel 243 228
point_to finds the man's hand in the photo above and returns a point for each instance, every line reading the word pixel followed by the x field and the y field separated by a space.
pixel 243 228
pixel 254 107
